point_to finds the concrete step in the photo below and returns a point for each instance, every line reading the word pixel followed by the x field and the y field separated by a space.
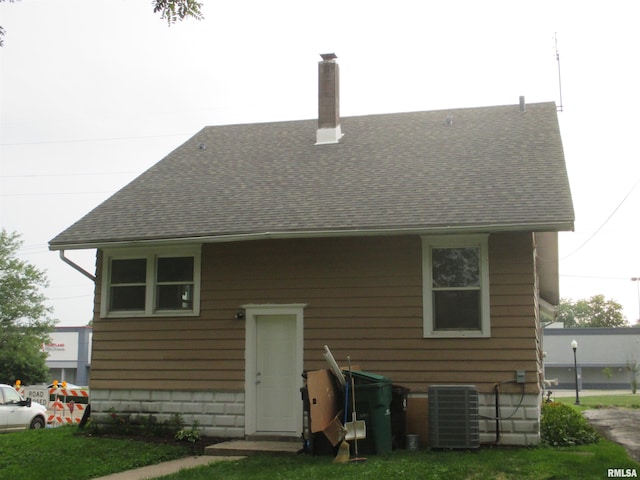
pixel 253 447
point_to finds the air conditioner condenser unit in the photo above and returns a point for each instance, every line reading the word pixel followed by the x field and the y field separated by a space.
pixel 453 416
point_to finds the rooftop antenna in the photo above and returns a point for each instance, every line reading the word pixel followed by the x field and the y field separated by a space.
pixel 555 37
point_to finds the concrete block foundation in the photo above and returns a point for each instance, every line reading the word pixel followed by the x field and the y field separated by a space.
pixel 218 414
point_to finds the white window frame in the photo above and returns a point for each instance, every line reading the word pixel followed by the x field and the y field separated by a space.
pixel 455 241
pixel 151 255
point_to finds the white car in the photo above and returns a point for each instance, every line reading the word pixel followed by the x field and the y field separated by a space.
pixel 16 413
pixel 70 386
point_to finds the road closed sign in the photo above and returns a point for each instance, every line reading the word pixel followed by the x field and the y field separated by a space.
pixel 37 394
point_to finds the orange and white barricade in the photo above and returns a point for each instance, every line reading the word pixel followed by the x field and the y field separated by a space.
pixel 65 406
pixel 68 407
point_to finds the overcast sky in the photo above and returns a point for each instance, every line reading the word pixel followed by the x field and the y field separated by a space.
pixel 93 92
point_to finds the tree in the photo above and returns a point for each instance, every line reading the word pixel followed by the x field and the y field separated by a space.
pixel 593 312
pixel 170 10
pixel 173 10
pixel 2 29
pixel 24 319
pixel 565 313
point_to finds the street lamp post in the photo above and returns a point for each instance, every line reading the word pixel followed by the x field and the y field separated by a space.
pixel 637 280
pixel 574 346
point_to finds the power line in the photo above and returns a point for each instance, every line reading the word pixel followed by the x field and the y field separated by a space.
pixel 50 193
pixel 596 277
pixel 86 140
pixel 70 298
pixel 605 222
pixel 36 246
pixel 38 175
pixel 34 251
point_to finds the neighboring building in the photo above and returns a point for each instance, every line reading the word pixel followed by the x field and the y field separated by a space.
pixel 607 358
pixel 69 355
pixel 422 244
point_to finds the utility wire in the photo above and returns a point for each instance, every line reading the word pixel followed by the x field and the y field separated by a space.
pixel 605 222
pixel 70 298
pixel 85 140
pixel 38 175
pixel 595 277
pixel 44 194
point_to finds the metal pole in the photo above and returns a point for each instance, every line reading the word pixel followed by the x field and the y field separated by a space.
pixel 637 280
pixel 575 368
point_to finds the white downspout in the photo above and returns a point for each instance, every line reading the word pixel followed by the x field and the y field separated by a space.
pixel 77 267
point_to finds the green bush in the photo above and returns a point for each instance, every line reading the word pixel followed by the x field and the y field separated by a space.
pixel 561 425
pixel 189 435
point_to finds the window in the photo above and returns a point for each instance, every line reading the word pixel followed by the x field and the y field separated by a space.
pixel 151 282
pixel 128 284
pixel 175 283
pixel 11 397
pixel 456 286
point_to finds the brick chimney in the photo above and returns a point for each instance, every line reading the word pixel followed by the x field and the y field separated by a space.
pixel 329 130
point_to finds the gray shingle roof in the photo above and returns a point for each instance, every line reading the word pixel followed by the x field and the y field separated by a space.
pixel 494 168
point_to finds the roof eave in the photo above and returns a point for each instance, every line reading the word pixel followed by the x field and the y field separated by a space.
pixel 285 234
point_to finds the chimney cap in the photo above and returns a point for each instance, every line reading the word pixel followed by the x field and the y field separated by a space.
pixel 328 57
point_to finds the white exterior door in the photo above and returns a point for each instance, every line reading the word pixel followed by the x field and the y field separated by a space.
pixel 276 381
pixel 274 370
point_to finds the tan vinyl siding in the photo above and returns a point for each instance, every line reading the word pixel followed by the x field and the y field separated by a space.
pixel 364 299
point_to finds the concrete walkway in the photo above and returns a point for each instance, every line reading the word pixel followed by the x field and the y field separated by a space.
pixel 620 425
pixel 245 448
pixel 225 451
pixel 166 468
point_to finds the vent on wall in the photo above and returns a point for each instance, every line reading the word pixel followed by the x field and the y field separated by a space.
pixel 453 416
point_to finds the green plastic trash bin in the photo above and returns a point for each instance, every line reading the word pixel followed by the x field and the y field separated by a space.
pixel 373 405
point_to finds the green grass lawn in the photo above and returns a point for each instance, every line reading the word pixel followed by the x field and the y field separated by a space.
pixel 63 454
pixel 628 400
pixel 589 462
pixel 59 453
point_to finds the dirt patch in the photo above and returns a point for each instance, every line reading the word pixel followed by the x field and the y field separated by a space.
pixel 620 425
pixel 195 448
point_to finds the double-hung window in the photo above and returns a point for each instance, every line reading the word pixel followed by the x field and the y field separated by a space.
pixel 149 282
pixel 128 284
pixel 174 283
pixel 456 286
